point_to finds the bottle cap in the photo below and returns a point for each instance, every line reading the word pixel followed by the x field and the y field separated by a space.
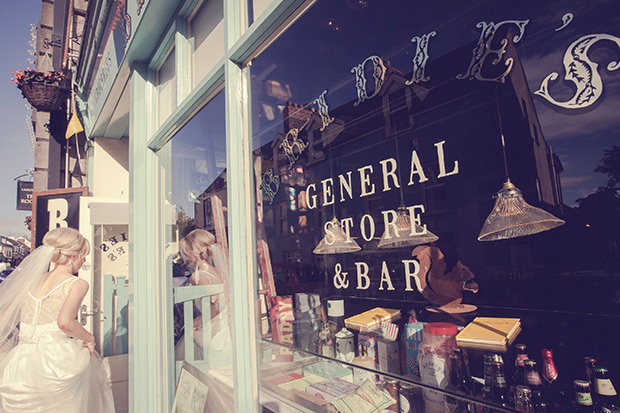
pixel 344 333
pixel 582 384
pixel 441 329
pixel 335 308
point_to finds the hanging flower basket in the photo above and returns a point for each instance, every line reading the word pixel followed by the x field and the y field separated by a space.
pixel 41 89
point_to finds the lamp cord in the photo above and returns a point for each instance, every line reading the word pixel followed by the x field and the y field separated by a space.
pixel 501 131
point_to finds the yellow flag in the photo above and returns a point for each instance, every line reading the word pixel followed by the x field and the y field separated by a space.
pixel 74 126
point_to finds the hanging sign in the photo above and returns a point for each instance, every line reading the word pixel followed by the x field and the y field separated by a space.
pixel 24 195
pixel 55 208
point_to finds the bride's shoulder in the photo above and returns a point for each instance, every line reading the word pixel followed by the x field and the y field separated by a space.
pixel 76 284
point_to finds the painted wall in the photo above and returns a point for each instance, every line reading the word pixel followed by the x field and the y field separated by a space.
pixel 110 177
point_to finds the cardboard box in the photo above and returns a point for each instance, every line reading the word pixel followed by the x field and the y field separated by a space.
pixel 413 339
pixel 282 318
pixel 389 356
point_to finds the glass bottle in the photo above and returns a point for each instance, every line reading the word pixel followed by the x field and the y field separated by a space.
pixel 489 358
pixel 499 390
pixel 583 396
pixel 553 393
pixel 519 377
pixel 523 399
pixel 590 363
pixel 467 383
pixel 605 395
pixel 488 376
pixel 534 382
pixel 458 383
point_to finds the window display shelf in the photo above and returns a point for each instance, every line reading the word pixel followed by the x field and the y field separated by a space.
pixel 273 372
pixel 286 359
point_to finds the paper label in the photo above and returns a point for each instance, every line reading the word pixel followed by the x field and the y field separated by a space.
pixel 583 399
pixel 433 372
pixel 520 359
pixel 533 378
pixel 405 407
pixel 605 388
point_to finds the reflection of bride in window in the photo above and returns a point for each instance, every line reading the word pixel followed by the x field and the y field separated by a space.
pixel 209 265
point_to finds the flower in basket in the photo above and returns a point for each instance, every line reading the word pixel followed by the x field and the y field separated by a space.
pixel 30 76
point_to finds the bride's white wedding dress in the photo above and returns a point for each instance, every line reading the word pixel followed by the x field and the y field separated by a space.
pixel 49 371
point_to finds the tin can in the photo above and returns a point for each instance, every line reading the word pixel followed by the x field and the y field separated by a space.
pixel 391 386
pixel 406 397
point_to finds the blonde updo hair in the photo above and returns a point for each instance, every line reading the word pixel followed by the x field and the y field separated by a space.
pixel 67 243
pixel 197 244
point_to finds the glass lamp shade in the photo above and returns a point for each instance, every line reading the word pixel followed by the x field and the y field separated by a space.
pixel 512 217
pixel 336 243
pixel 406 236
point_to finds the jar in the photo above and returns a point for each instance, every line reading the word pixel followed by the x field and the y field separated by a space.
pixel 438 340
pixel 392 387
pixel 406 397
pixel 345 347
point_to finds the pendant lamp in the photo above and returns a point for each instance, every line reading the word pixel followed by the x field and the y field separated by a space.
pixel 336 243
pixel 511 216
pixel 407 235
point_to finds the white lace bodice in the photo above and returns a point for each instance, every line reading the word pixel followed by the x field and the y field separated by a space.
pixel 45 310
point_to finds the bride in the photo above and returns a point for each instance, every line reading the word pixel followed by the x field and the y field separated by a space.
pixel 198 250
pixel 48 363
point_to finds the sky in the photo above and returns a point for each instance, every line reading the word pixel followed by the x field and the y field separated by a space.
pixel 16 155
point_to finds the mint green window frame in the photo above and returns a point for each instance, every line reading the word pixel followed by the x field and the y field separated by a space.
pixel 152 384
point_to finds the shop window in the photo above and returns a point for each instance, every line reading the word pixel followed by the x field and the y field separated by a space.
pixel 206 28
pixel 197 249
pixel 420 113
pixel 166 88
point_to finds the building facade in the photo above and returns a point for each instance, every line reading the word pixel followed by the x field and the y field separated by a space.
pixel 423 157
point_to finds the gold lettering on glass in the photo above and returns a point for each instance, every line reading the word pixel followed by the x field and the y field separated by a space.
pixel 293 146
pixel 270 185
pixel 483 49
pixel 323 110
pixel 566 19
pixel 378 74
pixel 340 277
pixel 582 72
pixel 420 58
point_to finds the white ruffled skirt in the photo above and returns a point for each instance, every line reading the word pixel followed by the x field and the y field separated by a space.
pixel 51 372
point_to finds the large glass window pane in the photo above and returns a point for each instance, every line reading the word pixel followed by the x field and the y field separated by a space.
pixel 198 254
pixel 383 134
pixel 207 36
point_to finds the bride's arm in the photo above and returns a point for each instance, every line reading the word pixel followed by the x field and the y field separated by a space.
pixel 67 318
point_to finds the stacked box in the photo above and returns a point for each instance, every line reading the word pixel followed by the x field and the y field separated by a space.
pixel 413 339
pixel 282 318
pixel 389 358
